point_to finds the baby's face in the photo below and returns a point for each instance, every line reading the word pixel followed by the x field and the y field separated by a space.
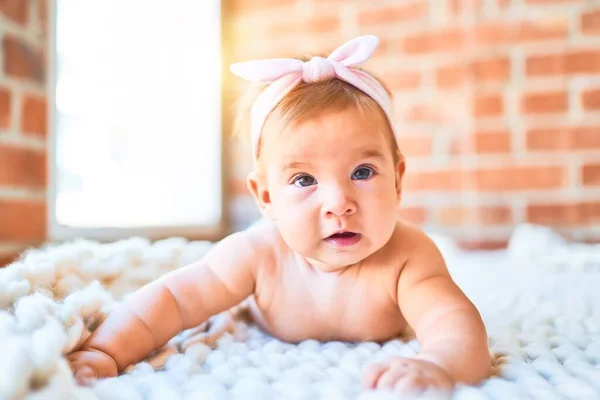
pixel 332 186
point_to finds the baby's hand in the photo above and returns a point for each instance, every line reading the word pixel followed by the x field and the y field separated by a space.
pixel 89 365
pixel 406 375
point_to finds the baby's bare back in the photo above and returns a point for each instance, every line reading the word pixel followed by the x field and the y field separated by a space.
pixel 295 301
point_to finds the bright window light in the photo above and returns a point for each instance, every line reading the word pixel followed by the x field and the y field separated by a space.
pixel 137 118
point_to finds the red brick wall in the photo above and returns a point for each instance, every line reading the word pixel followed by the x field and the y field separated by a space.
pixel 23 125
pixel 497 102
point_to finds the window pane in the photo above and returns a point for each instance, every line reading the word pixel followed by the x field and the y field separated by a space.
pixel 138 133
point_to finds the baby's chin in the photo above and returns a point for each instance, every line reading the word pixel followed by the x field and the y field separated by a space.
pixel 330 264
pixel 336 261
pixel 349 258
pixel 336 256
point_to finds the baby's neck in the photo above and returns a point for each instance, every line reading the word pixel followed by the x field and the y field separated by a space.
pixel 323 268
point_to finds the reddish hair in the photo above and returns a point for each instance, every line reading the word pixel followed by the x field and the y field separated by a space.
pixel 309 99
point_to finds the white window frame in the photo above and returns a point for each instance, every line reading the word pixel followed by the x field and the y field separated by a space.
pixel 60 232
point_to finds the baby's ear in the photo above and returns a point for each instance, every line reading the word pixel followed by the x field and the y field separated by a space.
pixel 260 192
pixel 400 168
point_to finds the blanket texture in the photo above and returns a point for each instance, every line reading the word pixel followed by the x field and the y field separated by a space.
pixel 539 299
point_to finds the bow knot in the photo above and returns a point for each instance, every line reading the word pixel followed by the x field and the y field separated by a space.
pixel 317 69
pixel 284 74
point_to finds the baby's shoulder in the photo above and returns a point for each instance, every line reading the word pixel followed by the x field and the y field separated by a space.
pixel 264 232
pixel 409 242
pixel 254 244
pixel 408 237
pixel 417 248
pixel 264 237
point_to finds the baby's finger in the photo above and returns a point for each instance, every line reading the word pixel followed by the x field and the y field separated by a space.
pixel 85 375
pixel 410 384
pixel 100 364
pixel 388 379
pixel 73 357
pixel 437 379
pixel 372 374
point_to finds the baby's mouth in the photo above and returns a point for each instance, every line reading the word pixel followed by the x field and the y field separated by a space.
pixel 343 235
pixel 343 239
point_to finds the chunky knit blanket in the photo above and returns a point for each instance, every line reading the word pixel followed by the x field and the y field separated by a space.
pixel 540 300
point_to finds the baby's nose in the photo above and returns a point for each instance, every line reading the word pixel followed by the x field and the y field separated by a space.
pixel 339 203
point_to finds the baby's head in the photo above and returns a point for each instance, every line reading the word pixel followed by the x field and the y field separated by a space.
pixel 328 171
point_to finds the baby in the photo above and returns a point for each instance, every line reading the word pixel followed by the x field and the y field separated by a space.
pixel 331 260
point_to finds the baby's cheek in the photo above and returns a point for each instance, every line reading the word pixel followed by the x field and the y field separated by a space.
pixel 297 228
pixel 381 221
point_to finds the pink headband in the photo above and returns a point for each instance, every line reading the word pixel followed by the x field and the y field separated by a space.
pixel 285 74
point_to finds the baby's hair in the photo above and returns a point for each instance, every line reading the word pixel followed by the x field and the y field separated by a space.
pixel 308 99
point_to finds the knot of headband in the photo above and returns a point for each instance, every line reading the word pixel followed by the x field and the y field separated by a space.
pixel 284 74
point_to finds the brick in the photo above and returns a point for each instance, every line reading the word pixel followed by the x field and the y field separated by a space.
pixel 433 42
pixel 482 143
pixel 15 10
pixel 424 113
pixel 315 25
pixel 492 70
pixel 384 46
pixel 548 102
pixel 488 106
pixel 472 6
pixel 22 61
pixel 34 115
pixel 22 167
pixel 507 178
pixel 393 14
pixel 520 178
pixel 547 2
pixel 6 259
pixel 531 31
pixel 591 99
pixel 492 142
pixel 569 63
pixel 403 80
pixel 415 214
pixel 564 214
pixel 563 138
pixel 43 15
pixel 590 22
pixel 590 174
pixel 22 221
pixel 452 77
pixel 5 106
pixel 446 180
pixel 415 146
pixel 520 32
pixel 461 6
pixel 242 6
pixel 497 69
pixel 474 216
pixel 323 24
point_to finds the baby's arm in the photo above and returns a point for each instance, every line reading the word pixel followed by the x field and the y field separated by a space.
pixel 179 300
pixel 452 335
pixel 448 326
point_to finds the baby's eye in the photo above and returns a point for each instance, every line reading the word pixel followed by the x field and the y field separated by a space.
pixel 362 173
pixel 304 180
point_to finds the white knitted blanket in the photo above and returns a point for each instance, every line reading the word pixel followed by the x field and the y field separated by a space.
pixel 540 300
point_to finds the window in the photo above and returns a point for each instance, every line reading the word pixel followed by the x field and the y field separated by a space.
pixel 136 120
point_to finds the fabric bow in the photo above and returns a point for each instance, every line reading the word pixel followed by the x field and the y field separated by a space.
pixel 284 74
